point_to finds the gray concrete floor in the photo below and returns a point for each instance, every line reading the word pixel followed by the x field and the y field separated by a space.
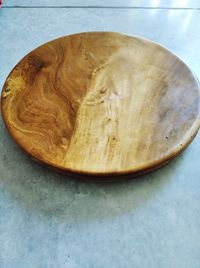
pixel 48 220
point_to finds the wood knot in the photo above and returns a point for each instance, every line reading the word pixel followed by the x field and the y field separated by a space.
pixel 102 90
pixel 6 92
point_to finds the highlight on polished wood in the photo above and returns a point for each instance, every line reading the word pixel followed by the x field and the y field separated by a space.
pixel 101 104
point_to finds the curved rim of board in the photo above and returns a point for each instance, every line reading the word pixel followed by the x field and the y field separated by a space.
pixel 134 171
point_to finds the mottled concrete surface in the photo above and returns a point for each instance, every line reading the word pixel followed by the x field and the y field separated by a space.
pixel 107 3
pixel 49 220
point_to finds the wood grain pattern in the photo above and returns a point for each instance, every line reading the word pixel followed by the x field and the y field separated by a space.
pixel 101 103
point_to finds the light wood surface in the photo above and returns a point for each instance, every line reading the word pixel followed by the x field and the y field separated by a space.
pixel 101 104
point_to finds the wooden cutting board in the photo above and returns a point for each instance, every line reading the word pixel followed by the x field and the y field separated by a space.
pixel 101 104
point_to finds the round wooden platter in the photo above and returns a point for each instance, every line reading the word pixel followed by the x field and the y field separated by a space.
pixel 101 104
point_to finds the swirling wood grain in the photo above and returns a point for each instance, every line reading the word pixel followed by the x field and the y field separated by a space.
pixel 101 103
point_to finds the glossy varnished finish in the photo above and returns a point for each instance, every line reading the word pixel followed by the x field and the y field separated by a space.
pixel 101 104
